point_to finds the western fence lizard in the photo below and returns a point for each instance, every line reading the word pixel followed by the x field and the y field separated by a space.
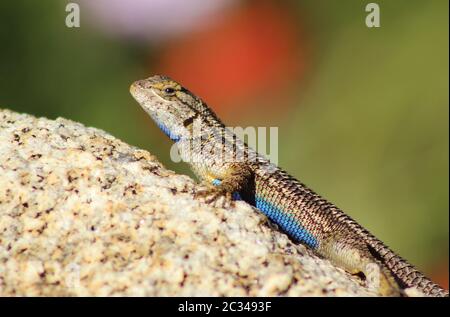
pixel 232 170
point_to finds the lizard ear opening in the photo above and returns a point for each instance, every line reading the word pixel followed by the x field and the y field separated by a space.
pixel 189 120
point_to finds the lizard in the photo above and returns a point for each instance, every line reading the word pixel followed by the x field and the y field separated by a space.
pixel 307 218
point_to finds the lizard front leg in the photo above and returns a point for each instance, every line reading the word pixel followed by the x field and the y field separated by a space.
pixel 224 181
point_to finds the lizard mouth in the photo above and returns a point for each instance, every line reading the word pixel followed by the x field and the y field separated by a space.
pixel 135 87
pixel 139 92
pixel 158 96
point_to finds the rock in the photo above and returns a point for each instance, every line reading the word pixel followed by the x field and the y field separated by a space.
pixel 85 214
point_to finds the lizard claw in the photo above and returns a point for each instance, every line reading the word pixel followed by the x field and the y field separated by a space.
pixel 215 196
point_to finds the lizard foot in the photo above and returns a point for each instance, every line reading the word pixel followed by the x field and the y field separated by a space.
pixel 215 196
pixel 379 279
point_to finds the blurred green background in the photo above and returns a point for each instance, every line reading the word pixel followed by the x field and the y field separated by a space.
pixel 362 112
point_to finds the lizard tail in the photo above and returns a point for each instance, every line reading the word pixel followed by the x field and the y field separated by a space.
pixel 405 273
pixel 353 255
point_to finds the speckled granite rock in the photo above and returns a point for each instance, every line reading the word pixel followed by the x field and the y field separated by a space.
pixel 82 213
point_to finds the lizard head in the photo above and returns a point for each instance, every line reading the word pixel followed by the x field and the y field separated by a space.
pixel 171 106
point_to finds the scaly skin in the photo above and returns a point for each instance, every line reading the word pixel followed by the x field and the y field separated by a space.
pixel 229 167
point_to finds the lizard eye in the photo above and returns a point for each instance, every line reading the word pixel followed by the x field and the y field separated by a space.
pixel 169 90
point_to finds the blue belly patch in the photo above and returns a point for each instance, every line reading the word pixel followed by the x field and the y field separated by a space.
pixel 287 223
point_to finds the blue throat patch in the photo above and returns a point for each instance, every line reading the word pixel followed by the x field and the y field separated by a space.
pixel 167 132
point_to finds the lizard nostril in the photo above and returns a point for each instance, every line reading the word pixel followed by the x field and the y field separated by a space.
pixel 140 83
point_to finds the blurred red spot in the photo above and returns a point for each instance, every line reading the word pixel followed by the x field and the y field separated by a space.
pixel 254 51
pixel 440 273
